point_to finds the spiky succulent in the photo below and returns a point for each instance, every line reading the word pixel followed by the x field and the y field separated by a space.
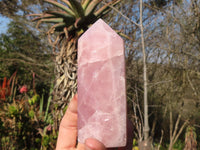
pixel 73 16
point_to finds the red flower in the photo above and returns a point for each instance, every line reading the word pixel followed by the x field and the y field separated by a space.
pixel 23 89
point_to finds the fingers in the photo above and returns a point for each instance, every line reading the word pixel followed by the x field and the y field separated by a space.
pixel 68 132
pixel 93 144
pixel 80 146
pixel 68 127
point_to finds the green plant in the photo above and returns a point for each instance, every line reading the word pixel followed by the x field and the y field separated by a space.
pixel 25 124
pixel 135 145
pixel 190 138
pixel 6 88
pixel 179 145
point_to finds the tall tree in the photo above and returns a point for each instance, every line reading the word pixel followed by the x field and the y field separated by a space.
pixel 146 119
pixel 23 51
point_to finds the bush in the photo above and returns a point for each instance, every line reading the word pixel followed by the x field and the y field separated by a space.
pixel 25 120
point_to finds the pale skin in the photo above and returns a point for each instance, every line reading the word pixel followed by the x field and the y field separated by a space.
pixel 68 132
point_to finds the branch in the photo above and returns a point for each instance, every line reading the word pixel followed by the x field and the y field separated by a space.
pixel 176 126
pixel 180 131
pixel 162 133
pixel 23 61
pixel 192 86
pixel 153 84
pixel 123 15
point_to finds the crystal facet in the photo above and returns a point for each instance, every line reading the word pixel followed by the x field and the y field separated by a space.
pixel 101 86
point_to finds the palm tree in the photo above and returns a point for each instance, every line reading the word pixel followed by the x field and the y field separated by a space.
pixel 69 20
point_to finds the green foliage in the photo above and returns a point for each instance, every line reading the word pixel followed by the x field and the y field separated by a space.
pixel 26 123
pixel 23 51
pixel 12 111
pixel 46 140
pixel 179 145
pixel 190 138
pixel 34 99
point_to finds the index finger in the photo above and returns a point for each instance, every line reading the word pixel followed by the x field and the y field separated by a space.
pixel 68 127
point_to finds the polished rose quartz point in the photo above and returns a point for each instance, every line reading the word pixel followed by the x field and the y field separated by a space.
pixel 101 86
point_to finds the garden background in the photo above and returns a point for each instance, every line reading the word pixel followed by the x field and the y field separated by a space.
pixel 38 68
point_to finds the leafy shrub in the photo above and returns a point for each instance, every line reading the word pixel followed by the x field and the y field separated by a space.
pixel 25 120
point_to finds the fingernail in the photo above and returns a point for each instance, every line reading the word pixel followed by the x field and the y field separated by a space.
pixel 87 148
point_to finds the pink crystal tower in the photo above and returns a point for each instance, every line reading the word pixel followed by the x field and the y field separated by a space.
pixel 101 86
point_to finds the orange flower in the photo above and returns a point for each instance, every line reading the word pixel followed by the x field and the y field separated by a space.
pixel 23 89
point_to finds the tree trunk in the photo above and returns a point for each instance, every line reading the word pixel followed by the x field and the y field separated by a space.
pixel 146 122
pixel 65 86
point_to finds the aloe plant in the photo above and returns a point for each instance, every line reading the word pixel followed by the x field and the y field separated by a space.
pixel 72 16
pixel 6 88
pixel 69 19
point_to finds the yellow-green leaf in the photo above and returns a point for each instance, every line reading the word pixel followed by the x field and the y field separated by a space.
pixel 91 7
pixel 61 6
pixel 49 20
pixel 85 4
pixel 77 7
pixel 62 14
pixel 52 20
pixel 67 3
pixel 43 16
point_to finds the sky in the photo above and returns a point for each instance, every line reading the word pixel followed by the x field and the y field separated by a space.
pixel 3 24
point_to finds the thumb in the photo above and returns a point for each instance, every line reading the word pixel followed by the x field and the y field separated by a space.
pixel 93 144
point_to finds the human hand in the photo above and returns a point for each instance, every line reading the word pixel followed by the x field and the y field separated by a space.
pixel 68 133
